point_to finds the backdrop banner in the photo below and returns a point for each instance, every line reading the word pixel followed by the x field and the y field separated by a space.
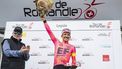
pixel 25 10
pixel 98 43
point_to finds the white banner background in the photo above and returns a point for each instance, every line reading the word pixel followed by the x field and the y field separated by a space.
pixel 98 43
pixel 14 10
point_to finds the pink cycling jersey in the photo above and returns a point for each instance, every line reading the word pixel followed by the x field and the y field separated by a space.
pixel 63 51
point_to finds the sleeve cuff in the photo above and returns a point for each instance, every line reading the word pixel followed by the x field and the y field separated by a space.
pixel 20 53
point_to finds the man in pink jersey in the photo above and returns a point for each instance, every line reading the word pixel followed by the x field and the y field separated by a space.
pixel 63 50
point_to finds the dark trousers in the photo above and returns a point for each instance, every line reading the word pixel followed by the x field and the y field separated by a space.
pixel 62 67
pixel 59 67
pixel 12 65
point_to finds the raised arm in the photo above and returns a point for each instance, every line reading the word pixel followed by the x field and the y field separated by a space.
pixel 53 38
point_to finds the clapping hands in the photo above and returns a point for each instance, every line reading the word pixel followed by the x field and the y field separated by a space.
pixel 25 49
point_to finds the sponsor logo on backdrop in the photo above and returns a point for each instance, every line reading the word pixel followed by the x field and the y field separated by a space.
pixel 44 46
pixel 79 46
pixel 87 39
pixel 20 25
pixel 35 54
pixel 61 9
pixel 108 34
pixel 24 26
pixel 101 25
pixel 43 62
pixel 87 54
pixel 97 25
pixel 106 46
pixel 37 39
pixel 50 54
pixel 61 25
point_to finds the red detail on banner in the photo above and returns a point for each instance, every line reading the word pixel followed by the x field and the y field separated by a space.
pixel 109 24
pixel 30 26
pixel 106 58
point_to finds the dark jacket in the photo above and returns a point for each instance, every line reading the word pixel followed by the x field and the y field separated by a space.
pixel 13 62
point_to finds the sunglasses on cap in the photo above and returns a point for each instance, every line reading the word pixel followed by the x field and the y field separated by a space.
pixel 17 33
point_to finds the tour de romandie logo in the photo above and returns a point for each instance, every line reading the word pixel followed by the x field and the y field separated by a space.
pixel 62 9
